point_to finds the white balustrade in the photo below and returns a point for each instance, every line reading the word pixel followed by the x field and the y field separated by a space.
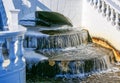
pixel 12 55
pixel 107 12
pixel 109 9
pixel 14 65
pixel 117 2
pixel 117 21
pixel 95 3
pixel 91 2
pixel 112 17
pixel 1 55
pixel 115 11
pixel 3 14
pixel 20 61
pixel 98 5
pixel 103 8
pixel 88 0
pixel 14 14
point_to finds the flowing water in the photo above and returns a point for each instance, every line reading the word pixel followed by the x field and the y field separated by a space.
pixel 71 54
pixel 57 39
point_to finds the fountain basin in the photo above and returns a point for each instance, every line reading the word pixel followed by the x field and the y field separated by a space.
pixel 70 53
pixel 79 62
pixel 56 39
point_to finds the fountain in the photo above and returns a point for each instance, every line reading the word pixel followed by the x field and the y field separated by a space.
pixel 70 51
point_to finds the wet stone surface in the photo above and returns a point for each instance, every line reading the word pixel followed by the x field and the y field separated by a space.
pixel 108 77
pixel 82 52
pixel 80 66
pixel 72 58
pixel 58 39
pixel 56 32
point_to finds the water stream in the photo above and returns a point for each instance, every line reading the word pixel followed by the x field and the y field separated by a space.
pixel 71 54
pixel 58 39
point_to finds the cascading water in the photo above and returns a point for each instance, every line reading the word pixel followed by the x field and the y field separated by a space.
pixel 82 61
pixel 71 53
pixel 69 38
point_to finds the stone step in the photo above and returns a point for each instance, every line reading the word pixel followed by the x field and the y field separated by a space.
pixel 76 62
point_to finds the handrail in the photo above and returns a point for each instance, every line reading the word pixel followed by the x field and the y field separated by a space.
pixel 117 2
pixel 3 13
pixel 114 5
pixel 13 39
pixel 108 9
pixel 16 31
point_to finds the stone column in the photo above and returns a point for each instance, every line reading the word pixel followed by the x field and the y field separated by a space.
pixel 14 17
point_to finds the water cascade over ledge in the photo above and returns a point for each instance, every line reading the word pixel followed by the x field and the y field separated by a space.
pixel 70 53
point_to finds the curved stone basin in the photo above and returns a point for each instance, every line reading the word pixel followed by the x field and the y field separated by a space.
pixel 81 62
pixel 57 39
pixel 70 53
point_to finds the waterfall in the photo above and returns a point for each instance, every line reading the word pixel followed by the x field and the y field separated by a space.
pixel 82 68
pixel 64 40
pixel 70 53
pixel 82 64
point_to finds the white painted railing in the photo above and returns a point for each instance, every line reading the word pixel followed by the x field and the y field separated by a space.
pixel 69 8
pixel 116 2
pixel 3 14
pixel 109 9
pixel 12 64
pixel 102 19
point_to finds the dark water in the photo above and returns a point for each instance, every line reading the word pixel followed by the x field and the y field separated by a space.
pixel 90 65
pixel 110 76
pixel 56 32
pixel 107 77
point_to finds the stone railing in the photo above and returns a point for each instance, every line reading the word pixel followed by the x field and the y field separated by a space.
pixel 3 14
pixel 109 9
pixel 117 2
pixel 12 63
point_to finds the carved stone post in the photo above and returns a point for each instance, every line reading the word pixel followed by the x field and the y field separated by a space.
pixel 117 21
pixel 103 8
pixel 112 17
pixel 108 12
pixel 14 17
pixel 95 3
pixel 20 61
pixel 1 55
pixel 91 2
pixel 12 55
pixel 98 5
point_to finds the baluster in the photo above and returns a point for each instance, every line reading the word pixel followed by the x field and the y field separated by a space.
pixel 95 3
pixel 98 5
pixel 88 0
pixel 12 55
pixel 29 42
pixel 103 8
pixel 14 14
pixel 91 2
pixel 1 55
pixel 20 61
pixel 112 17
pixel 107 12
pixel 117 21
